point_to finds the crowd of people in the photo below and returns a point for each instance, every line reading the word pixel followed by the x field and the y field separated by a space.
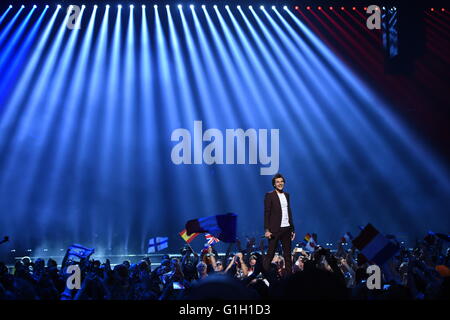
pixel 422 273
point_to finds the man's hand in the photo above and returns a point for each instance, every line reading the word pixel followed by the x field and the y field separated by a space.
pixel 268 234
pixel 292 236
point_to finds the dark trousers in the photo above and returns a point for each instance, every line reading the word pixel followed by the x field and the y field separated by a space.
pixel 284 236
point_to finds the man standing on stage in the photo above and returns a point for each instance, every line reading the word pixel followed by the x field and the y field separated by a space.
pixel 278 223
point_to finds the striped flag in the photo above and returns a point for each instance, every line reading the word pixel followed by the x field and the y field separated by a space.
pixel 307 237
pixel 222 226
pixel 157 244
pixel 210 240
pixel 187 238
pixel 310 243
pixel 374 246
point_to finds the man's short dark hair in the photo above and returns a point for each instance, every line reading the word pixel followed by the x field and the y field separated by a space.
pixel 278 175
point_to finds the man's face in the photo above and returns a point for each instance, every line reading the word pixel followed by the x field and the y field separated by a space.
pixel 279 183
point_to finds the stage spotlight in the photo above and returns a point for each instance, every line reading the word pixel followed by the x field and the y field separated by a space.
pixel 191 6
pixel 143 6
pixel 250 7
pixel 354 8
pixel 296 7
pixel 227 7
pixel 46 5
pixel 95 6
pixel 331 8
pixel 83 6
pixel 307 8
pixel 34 6
pixel 215 6
pixel 10 6
pixel 443 9
pixel 203 6
pixel 365 8
pixel 239 7
pixel 285 7
pixel 59 6
pixel 180 6
pixel 342 8
pixel 319 7
pixel 119 6
pixel 273 7
pixel 23 6
pixel 107 6
pixel 262 7
pixel 167 6
pixel 131 6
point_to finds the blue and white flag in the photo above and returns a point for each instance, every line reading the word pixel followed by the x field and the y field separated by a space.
pixel 157 244
pixel 80 252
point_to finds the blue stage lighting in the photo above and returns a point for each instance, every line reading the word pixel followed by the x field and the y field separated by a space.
pixel 46 5
pixel 83 6
pixel 180 6
pixel 34 6
pixel 95 6
pixel 59 6
pixel 191 6
pixel 250 7
pixel 131 6
pixel 285 7
pixel 167 6
pixel 262 7
pixel 273 7
pixel 203 6
pixel 107 6
pixel 215 6
pixel 119 6
pixel 23 6
pixel 143 6
pixel 239 7
pixel 10 6
pixel 227 7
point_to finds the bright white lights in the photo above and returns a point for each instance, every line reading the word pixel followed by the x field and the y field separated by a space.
pixel 180 6
pixel 191 6
pixel 107 6
pixel 227 7
pixel 285 7
pixel 203 6
pixel 34 6
pixel 239 7
pixel 131 6
pixel 262 7
pixel 119 6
